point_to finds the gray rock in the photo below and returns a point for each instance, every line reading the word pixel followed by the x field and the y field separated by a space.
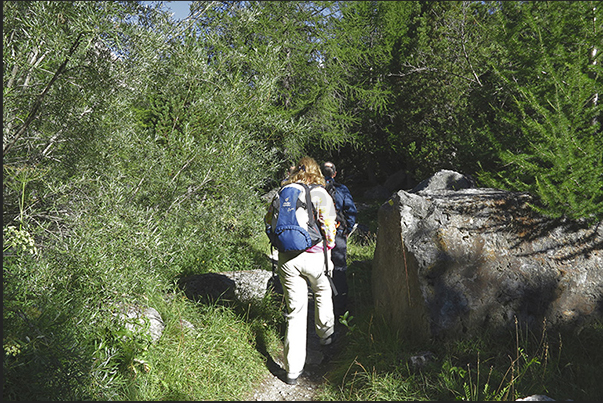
pixel 536 398
pixel 250 285
pixel 135 319
pixel 421 359
pixel 444 180
pixel 242 286
pixel 455 262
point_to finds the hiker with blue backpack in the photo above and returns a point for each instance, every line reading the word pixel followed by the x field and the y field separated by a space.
pixel 300 222
pixel 346 220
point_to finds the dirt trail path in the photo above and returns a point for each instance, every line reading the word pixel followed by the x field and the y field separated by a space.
pixel 318 359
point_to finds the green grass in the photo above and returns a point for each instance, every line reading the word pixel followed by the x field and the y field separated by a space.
pixel 375 366
pixel 215 359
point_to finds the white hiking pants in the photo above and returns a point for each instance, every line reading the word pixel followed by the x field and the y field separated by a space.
pixel 293 271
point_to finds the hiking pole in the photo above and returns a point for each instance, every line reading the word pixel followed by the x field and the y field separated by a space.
pixel 324 248
pixel 272 260
pixel 274 279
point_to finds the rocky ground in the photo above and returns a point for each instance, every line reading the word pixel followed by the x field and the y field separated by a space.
pixel 318 359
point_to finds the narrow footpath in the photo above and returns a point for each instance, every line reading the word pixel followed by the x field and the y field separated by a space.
pixel 318 359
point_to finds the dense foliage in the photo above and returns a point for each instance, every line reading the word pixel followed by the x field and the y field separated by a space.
pixel 135 147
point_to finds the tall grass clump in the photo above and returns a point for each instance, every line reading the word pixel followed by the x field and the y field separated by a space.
pixel 376 364
pixel 207 352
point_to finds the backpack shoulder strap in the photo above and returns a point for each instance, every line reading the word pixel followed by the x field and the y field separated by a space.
pixel 309 206
pixel 331 188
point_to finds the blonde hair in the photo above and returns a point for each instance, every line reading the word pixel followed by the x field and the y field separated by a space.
pixel 307 171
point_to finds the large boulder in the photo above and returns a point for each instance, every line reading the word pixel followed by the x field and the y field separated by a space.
pixel 452 260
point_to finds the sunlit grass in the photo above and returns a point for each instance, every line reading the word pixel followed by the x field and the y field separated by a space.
pixel 205 353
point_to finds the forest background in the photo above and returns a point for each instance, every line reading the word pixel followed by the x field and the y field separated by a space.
pixel 136 147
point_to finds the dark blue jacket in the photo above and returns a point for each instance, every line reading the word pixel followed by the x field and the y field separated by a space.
pixel 344 203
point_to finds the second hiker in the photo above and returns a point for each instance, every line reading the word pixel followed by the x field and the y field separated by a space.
pixel 346 219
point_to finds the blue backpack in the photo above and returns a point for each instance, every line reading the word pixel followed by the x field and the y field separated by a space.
pixel 291 219
pixel 291 225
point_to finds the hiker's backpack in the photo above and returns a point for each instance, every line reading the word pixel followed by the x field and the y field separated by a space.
pixel 341 219
pixel 291 225
pixel 291 219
